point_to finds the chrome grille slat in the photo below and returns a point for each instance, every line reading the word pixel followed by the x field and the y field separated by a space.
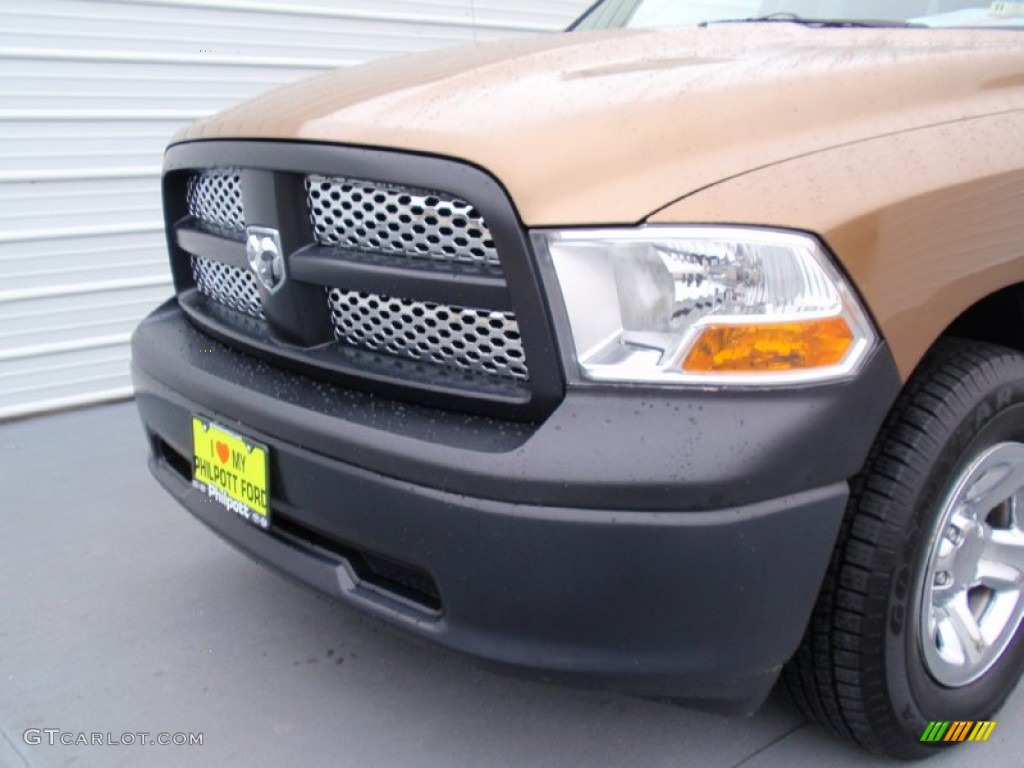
pixel 233 287
pixel 395 220
pixel 479 340
pixel 215 198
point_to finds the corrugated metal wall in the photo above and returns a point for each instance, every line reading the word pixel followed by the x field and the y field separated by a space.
pixel 90 91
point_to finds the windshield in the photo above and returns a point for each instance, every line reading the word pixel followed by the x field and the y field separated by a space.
pixel 930 13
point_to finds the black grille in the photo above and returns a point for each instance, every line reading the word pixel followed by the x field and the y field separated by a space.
pixel 387 257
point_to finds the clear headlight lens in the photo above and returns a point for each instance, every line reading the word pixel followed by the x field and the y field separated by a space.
pixel 706 305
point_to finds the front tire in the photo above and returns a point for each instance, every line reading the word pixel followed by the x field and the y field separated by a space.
pixel 919 616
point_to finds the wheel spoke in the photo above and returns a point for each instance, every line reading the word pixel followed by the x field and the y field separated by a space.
pixel 948 640
pixel 1003 552
pixel 999 484
pixel 999 576
pixel 965 628
pixel 1015 508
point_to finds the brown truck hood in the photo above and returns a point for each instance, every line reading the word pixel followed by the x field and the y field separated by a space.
pixel 608 127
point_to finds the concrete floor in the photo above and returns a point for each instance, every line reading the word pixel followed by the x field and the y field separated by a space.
pixel 122 614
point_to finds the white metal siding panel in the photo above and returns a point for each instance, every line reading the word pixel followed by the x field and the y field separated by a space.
pixel 90 91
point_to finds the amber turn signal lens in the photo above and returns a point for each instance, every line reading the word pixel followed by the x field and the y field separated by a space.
pixel 770 346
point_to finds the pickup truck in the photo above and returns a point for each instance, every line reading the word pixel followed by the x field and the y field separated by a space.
pixel 675 354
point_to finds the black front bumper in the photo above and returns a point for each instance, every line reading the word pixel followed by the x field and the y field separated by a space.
pixel 661 543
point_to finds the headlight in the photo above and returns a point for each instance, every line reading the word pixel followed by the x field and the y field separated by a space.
pixel 706 305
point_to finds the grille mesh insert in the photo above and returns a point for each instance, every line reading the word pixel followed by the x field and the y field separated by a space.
pixel 233 287
pixel 403 221
pixel 478 340
pixel 215 198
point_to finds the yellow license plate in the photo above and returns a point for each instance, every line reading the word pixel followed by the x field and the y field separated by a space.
pixel 231 470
